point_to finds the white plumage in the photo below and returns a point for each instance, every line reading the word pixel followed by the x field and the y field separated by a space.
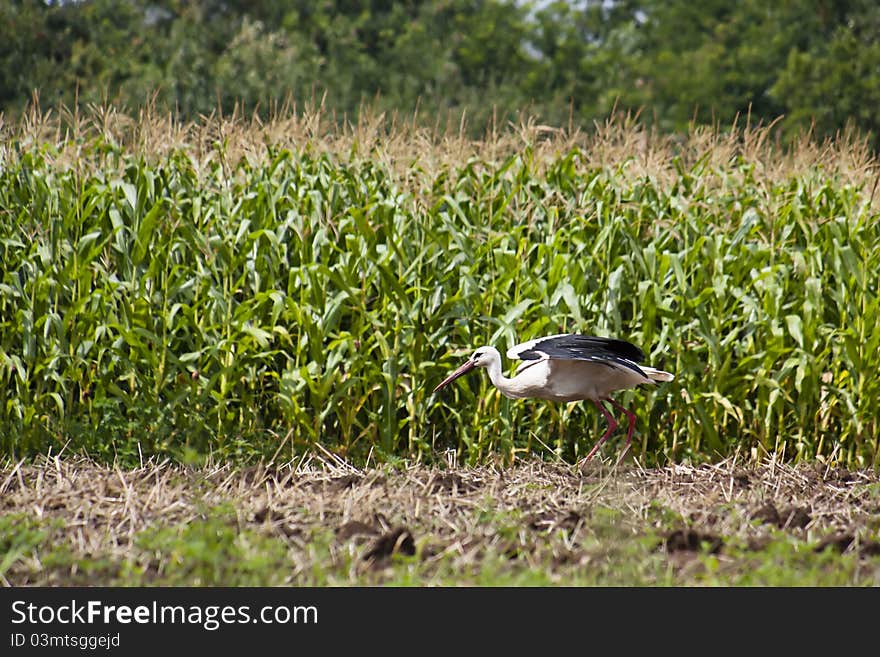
pixel 568 367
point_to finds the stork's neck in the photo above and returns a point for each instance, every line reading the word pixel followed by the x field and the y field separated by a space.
pixel 496 376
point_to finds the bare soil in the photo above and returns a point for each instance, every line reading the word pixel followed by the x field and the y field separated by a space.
pixel 552 516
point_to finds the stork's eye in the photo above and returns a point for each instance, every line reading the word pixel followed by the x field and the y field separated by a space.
pixel 478 355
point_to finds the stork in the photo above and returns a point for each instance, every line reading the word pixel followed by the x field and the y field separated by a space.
pixel 569 367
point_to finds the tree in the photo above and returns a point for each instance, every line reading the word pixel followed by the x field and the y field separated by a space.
pixel 817 62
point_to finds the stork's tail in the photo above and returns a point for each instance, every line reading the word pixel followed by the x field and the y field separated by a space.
pixel 657 375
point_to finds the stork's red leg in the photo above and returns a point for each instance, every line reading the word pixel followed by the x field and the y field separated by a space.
pixel 612 425
pixel 632 424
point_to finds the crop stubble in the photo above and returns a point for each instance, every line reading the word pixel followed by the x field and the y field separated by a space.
pixel 330 523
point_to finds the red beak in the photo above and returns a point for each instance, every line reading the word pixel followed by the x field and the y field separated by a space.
pixel 464 369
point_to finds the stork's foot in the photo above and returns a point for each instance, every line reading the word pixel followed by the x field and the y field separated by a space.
pixel 589 464
pixel 623 454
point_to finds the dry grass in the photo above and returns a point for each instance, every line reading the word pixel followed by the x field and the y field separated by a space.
pixel 533 516
pixel 406 146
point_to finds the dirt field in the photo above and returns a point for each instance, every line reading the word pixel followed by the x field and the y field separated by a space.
pixel 323 522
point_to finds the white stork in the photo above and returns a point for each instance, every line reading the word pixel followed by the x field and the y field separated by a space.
pixel 569 367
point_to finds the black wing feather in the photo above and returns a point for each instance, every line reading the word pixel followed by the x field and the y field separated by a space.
pixel 607 351
pixel 584 347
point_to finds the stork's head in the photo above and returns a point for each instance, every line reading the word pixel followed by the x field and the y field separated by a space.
pixel 482 357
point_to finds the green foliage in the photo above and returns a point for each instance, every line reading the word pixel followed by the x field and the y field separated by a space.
pixel 812 63
pixel 809 63
pixel 210 551
pixel 190 306
pixel 20 536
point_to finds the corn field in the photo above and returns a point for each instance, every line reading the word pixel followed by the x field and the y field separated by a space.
pixel 250 290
